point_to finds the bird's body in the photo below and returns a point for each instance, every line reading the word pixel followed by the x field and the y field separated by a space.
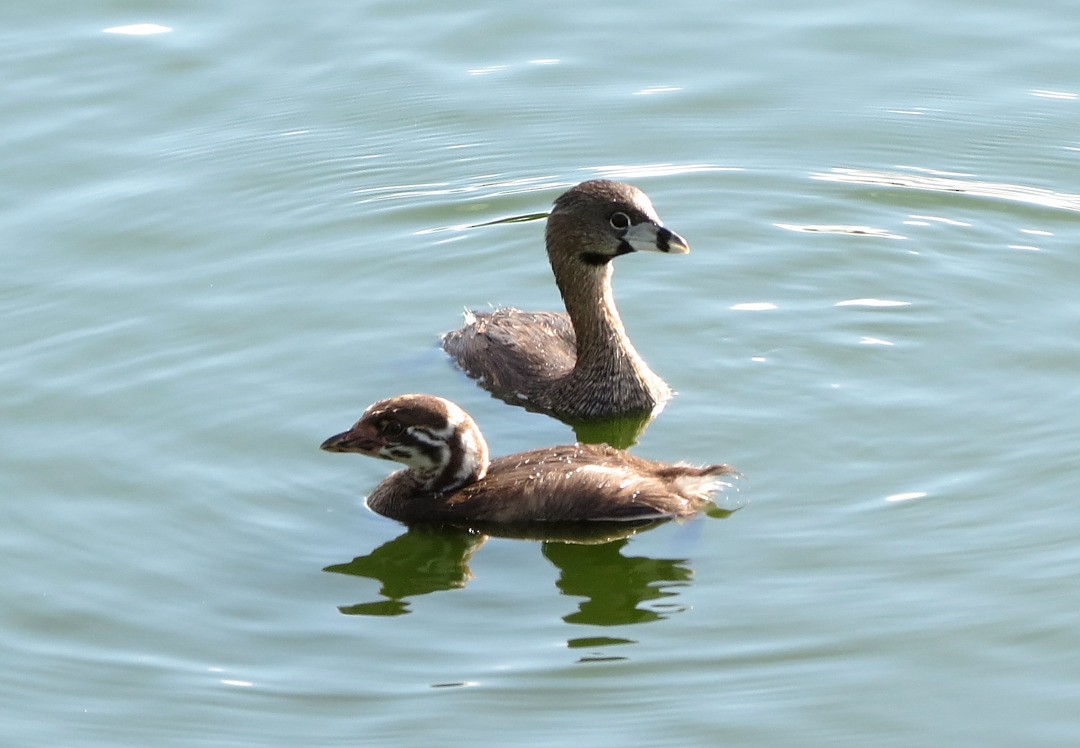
pixel 449 477
pixel 579 364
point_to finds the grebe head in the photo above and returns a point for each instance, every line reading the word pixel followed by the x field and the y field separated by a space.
pixel 599 220
pixel 437 441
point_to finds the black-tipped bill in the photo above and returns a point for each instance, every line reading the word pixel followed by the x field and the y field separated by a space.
pixel 650 237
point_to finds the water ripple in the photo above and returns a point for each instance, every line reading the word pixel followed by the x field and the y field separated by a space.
pixel 138 29
pixel 625 171
pixel 875 303
pixel 840 229
pixel 999 190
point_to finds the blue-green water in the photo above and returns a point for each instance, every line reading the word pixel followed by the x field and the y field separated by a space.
pixel 220 242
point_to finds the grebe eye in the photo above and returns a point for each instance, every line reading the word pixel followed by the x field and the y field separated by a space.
pixel 619 221
pixel 391 428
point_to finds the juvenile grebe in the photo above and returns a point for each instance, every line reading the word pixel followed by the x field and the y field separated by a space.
pixel 449 478
pixel 579 364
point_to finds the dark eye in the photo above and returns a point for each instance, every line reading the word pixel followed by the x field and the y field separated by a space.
pixel 619 221
pixel 391 428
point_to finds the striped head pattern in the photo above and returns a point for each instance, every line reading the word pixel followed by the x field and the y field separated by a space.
pixel 437 441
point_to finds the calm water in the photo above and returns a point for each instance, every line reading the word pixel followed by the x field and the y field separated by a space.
pixel 221 242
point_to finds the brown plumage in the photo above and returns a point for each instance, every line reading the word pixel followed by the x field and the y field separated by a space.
pixel 579 364
pixel 449 477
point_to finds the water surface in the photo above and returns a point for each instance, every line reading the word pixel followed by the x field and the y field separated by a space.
pixel 222 241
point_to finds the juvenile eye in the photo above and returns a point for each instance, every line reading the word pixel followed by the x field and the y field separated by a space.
pixel 391 428
pixel 619 221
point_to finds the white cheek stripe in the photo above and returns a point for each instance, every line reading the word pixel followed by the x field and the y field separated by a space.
pixel 421 462
pixel 428 437
pixel 474 457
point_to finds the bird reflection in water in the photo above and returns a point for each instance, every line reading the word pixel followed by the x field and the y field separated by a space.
pixel 616 589
pixel 421 561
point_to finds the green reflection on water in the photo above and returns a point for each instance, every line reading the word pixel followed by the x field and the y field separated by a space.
pixel 617 589
pixel 614 586
pixel 621 432
pixel 419 562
